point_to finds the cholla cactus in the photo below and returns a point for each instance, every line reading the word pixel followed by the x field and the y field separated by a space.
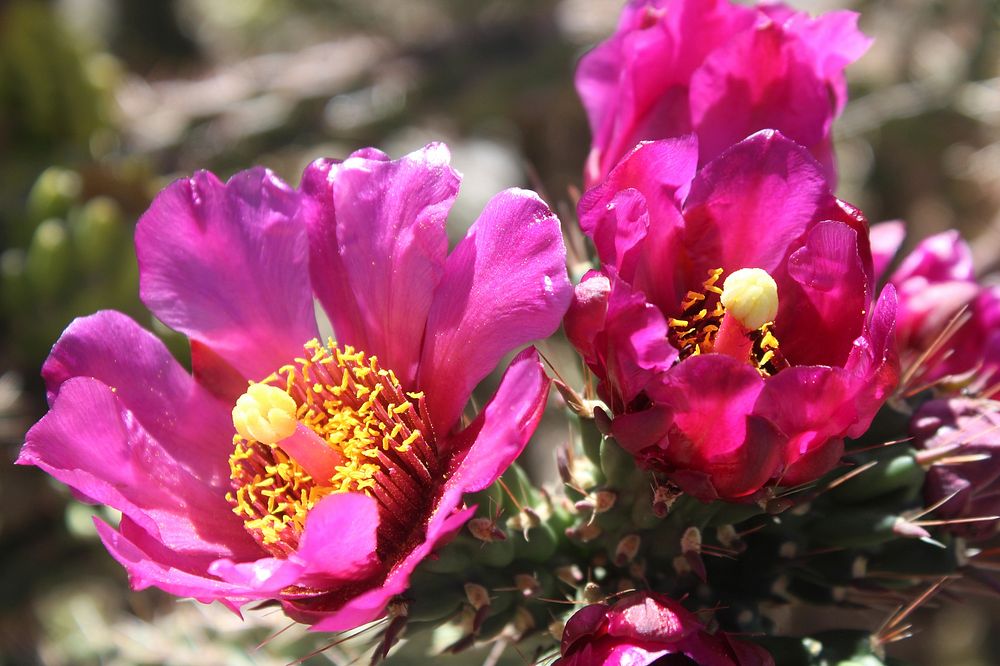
pixel 740 441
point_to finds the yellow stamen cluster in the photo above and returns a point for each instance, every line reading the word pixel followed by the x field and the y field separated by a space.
pixel 356 408
pixel 748 295
pixel 701 314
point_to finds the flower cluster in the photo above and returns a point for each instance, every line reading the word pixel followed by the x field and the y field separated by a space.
pixel 739 329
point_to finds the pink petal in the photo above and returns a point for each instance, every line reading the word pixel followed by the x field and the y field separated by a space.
pixel 147 380
pixel 92 443
pixel 504 285
pixel 502 429
pixel 633 216
pixel 886 239
pixel 226 264
pixel 338 547
pixel 822 307
pixel 766 185
pixel 145 570
pixel 938 258
pixel 380 228
pixel 715 431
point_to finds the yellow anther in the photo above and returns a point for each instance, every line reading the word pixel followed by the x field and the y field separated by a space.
pixel 750 295
pixel 265 414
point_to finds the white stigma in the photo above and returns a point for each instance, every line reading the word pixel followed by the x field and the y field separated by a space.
pixel 750 295
pixel 265 414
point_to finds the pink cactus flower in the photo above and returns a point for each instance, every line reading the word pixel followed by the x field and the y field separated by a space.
pixel 719 70
pixel 948 324
pixel 644 627
pixel 291 466
pixel 733 325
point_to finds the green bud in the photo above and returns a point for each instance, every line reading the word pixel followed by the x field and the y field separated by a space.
pixel 99 234
pixel 896 469
pixel 48 263
pixel 53 194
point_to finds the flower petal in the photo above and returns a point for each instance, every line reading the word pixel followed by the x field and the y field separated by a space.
pixel 825 299
pixel 145 570
pixel 378 246
pixel 152 385
pixel 886 239
pixel 766 185
pixel 715 432
pixel 226 264
pixel 92 443
pixel 504 285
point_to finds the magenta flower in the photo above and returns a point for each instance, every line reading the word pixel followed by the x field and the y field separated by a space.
pixel 344 463
pixel 720 70
pixel 959 440
pixel 643 627
pixel 732 325
pixel 948 324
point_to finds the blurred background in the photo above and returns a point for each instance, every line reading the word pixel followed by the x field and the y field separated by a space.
pixel 102 102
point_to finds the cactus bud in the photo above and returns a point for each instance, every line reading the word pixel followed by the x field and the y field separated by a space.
pixel 48 262
pixel 99 234
pixel 53 193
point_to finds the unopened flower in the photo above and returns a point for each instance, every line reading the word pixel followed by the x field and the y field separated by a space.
pixel 959 442
pixel 948 324
pixel 317 473
pixel 720 70
pixel 643 628
pixel 733 325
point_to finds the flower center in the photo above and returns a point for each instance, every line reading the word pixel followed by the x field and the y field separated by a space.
pixel 331 422
pixel 736 319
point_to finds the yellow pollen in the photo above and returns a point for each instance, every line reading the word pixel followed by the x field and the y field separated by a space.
pixel 750 296
pixel 357 409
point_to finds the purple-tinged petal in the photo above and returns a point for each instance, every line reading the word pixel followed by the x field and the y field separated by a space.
pixel 886 239
pixel 810 405
pixel 873 365
pixel 145 570
pixel 750 206
pixel 378 243
pixel 939 258
pixel 504 285
pixel 630 347
pixel 715 431
pixel 338 546
pixel 634 85
pixel 371 605
pixel 633 216
pixel 226 264
pixel 499 433
pixel 97 447
pixel 152 385
pixel 586 316
pixel 822 305
pixel 762 79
